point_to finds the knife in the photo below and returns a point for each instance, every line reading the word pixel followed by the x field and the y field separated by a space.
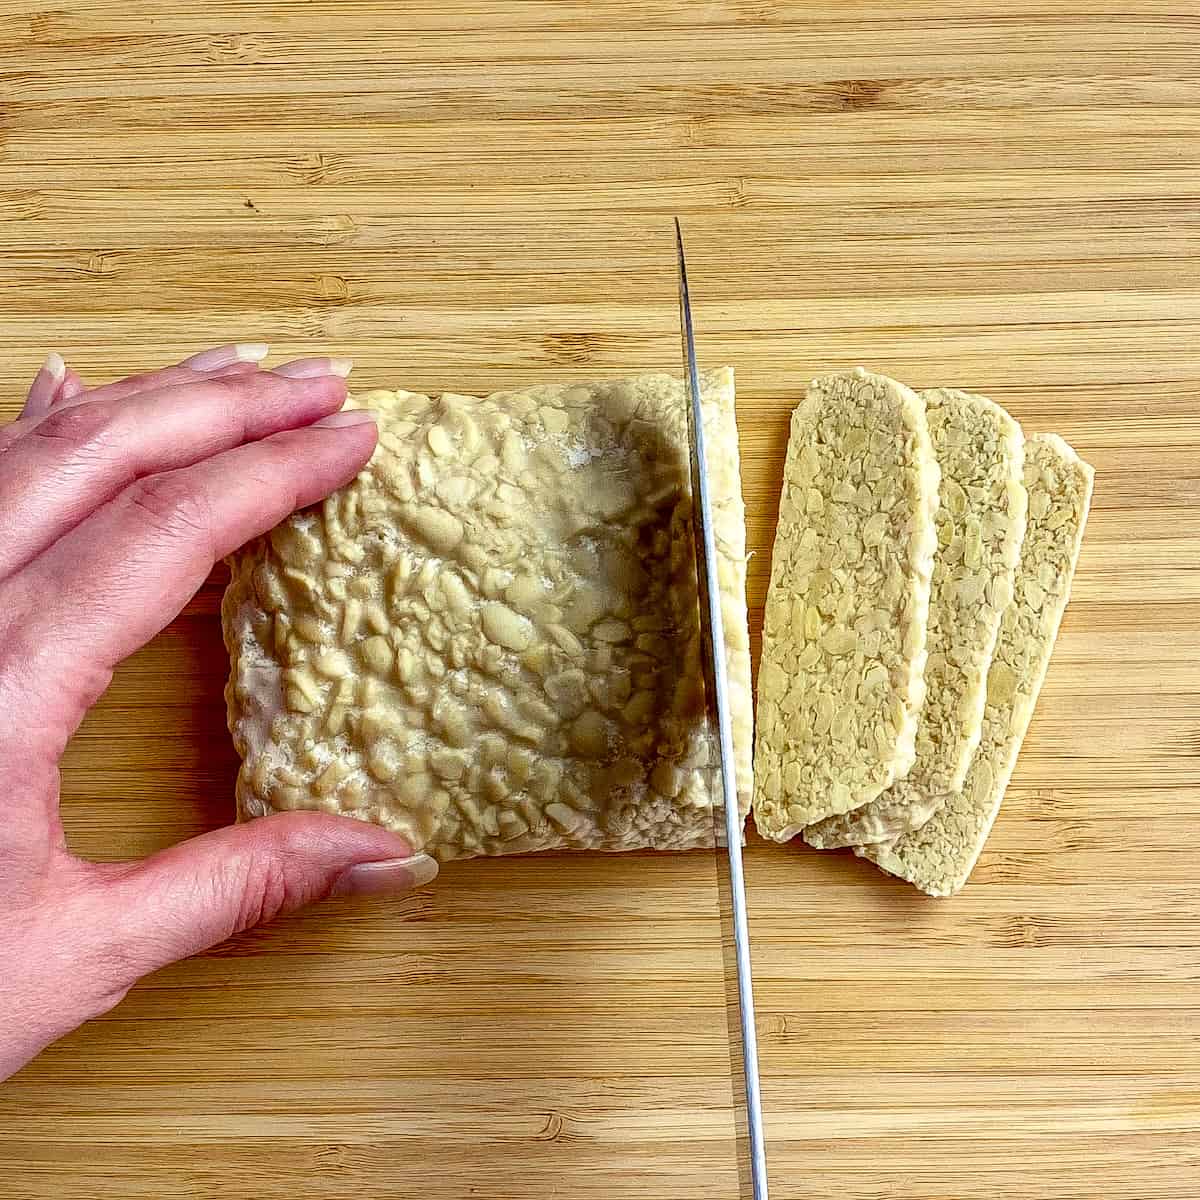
pixel 712 654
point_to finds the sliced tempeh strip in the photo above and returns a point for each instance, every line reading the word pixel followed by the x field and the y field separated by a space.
pixel 843 663
pixel 940 855
pixel 981 521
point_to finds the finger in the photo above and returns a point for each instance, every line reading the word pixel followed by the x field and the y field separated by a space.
pixel 197 894
pixel 308 368
pixel 44 387
pixel 115 580
pixel 99 394
pixel 79 457
pixel 223 356
pixel 25 424
pixel 71 387
pixel 244 355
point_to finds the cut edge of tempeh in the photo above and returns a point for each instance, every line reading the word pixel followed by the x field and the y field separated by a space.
pixel 848 602
pixel 938 858
pixel 981 515
pixel 729 531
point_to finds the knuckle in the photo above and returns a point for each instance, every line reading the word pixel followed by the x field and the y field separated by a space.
pixel 265 893
pixel 231 391
pixel 234 390
pixel 143 381
pixel 170 504
pixel 81 427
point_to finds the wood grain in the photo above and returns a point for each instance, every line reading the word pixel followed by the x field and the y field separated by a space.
pixel 476 194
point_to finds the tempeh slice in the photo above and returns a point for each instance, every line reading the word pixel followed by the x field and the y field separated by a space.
pixel 842 676
pixel 980 521
pixel 939 857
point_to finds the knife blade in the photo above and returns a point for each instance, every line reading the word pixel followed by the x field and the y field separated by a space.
pixel 712 644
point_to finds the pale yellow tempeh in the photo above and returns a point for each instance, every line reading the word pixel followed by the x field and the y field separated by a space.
pixel 842 675
pixel 939 857
pixel 489 642
pixel 980 521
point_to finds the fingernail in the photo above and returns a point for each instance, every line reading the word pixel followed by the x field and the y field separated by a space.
pixel 390 877
pixel 311 368
pixel 54 366
pixel 348 417
pixel 224 356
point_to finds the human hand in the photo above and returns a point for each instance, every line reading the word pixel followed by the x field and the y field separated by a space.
pixel 115 502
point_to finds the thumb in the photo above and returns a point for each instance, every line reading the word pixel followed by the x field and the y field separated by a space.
pixel 194 895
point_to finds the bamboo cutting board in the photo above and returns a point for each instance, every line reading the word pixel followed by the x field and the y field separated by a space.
pixel 476 195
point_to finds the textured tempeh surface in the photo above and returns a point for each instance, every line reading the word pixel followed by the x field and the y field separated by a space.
pixel 842 677
pixel 939 855
pixel 980 523
pixel 998 197
pixel 489 642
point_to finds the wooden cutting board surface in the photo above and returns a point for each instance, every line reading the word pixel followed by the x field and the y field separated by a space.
pixel 472 195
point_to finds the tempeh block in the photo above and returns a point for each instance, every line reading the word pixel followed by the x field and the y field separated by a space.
pixel 489 642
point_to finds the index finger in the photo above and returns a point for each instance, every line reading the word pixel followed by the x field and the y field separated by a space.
pixel 224 360
pixel 114 581
pixel 80 456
